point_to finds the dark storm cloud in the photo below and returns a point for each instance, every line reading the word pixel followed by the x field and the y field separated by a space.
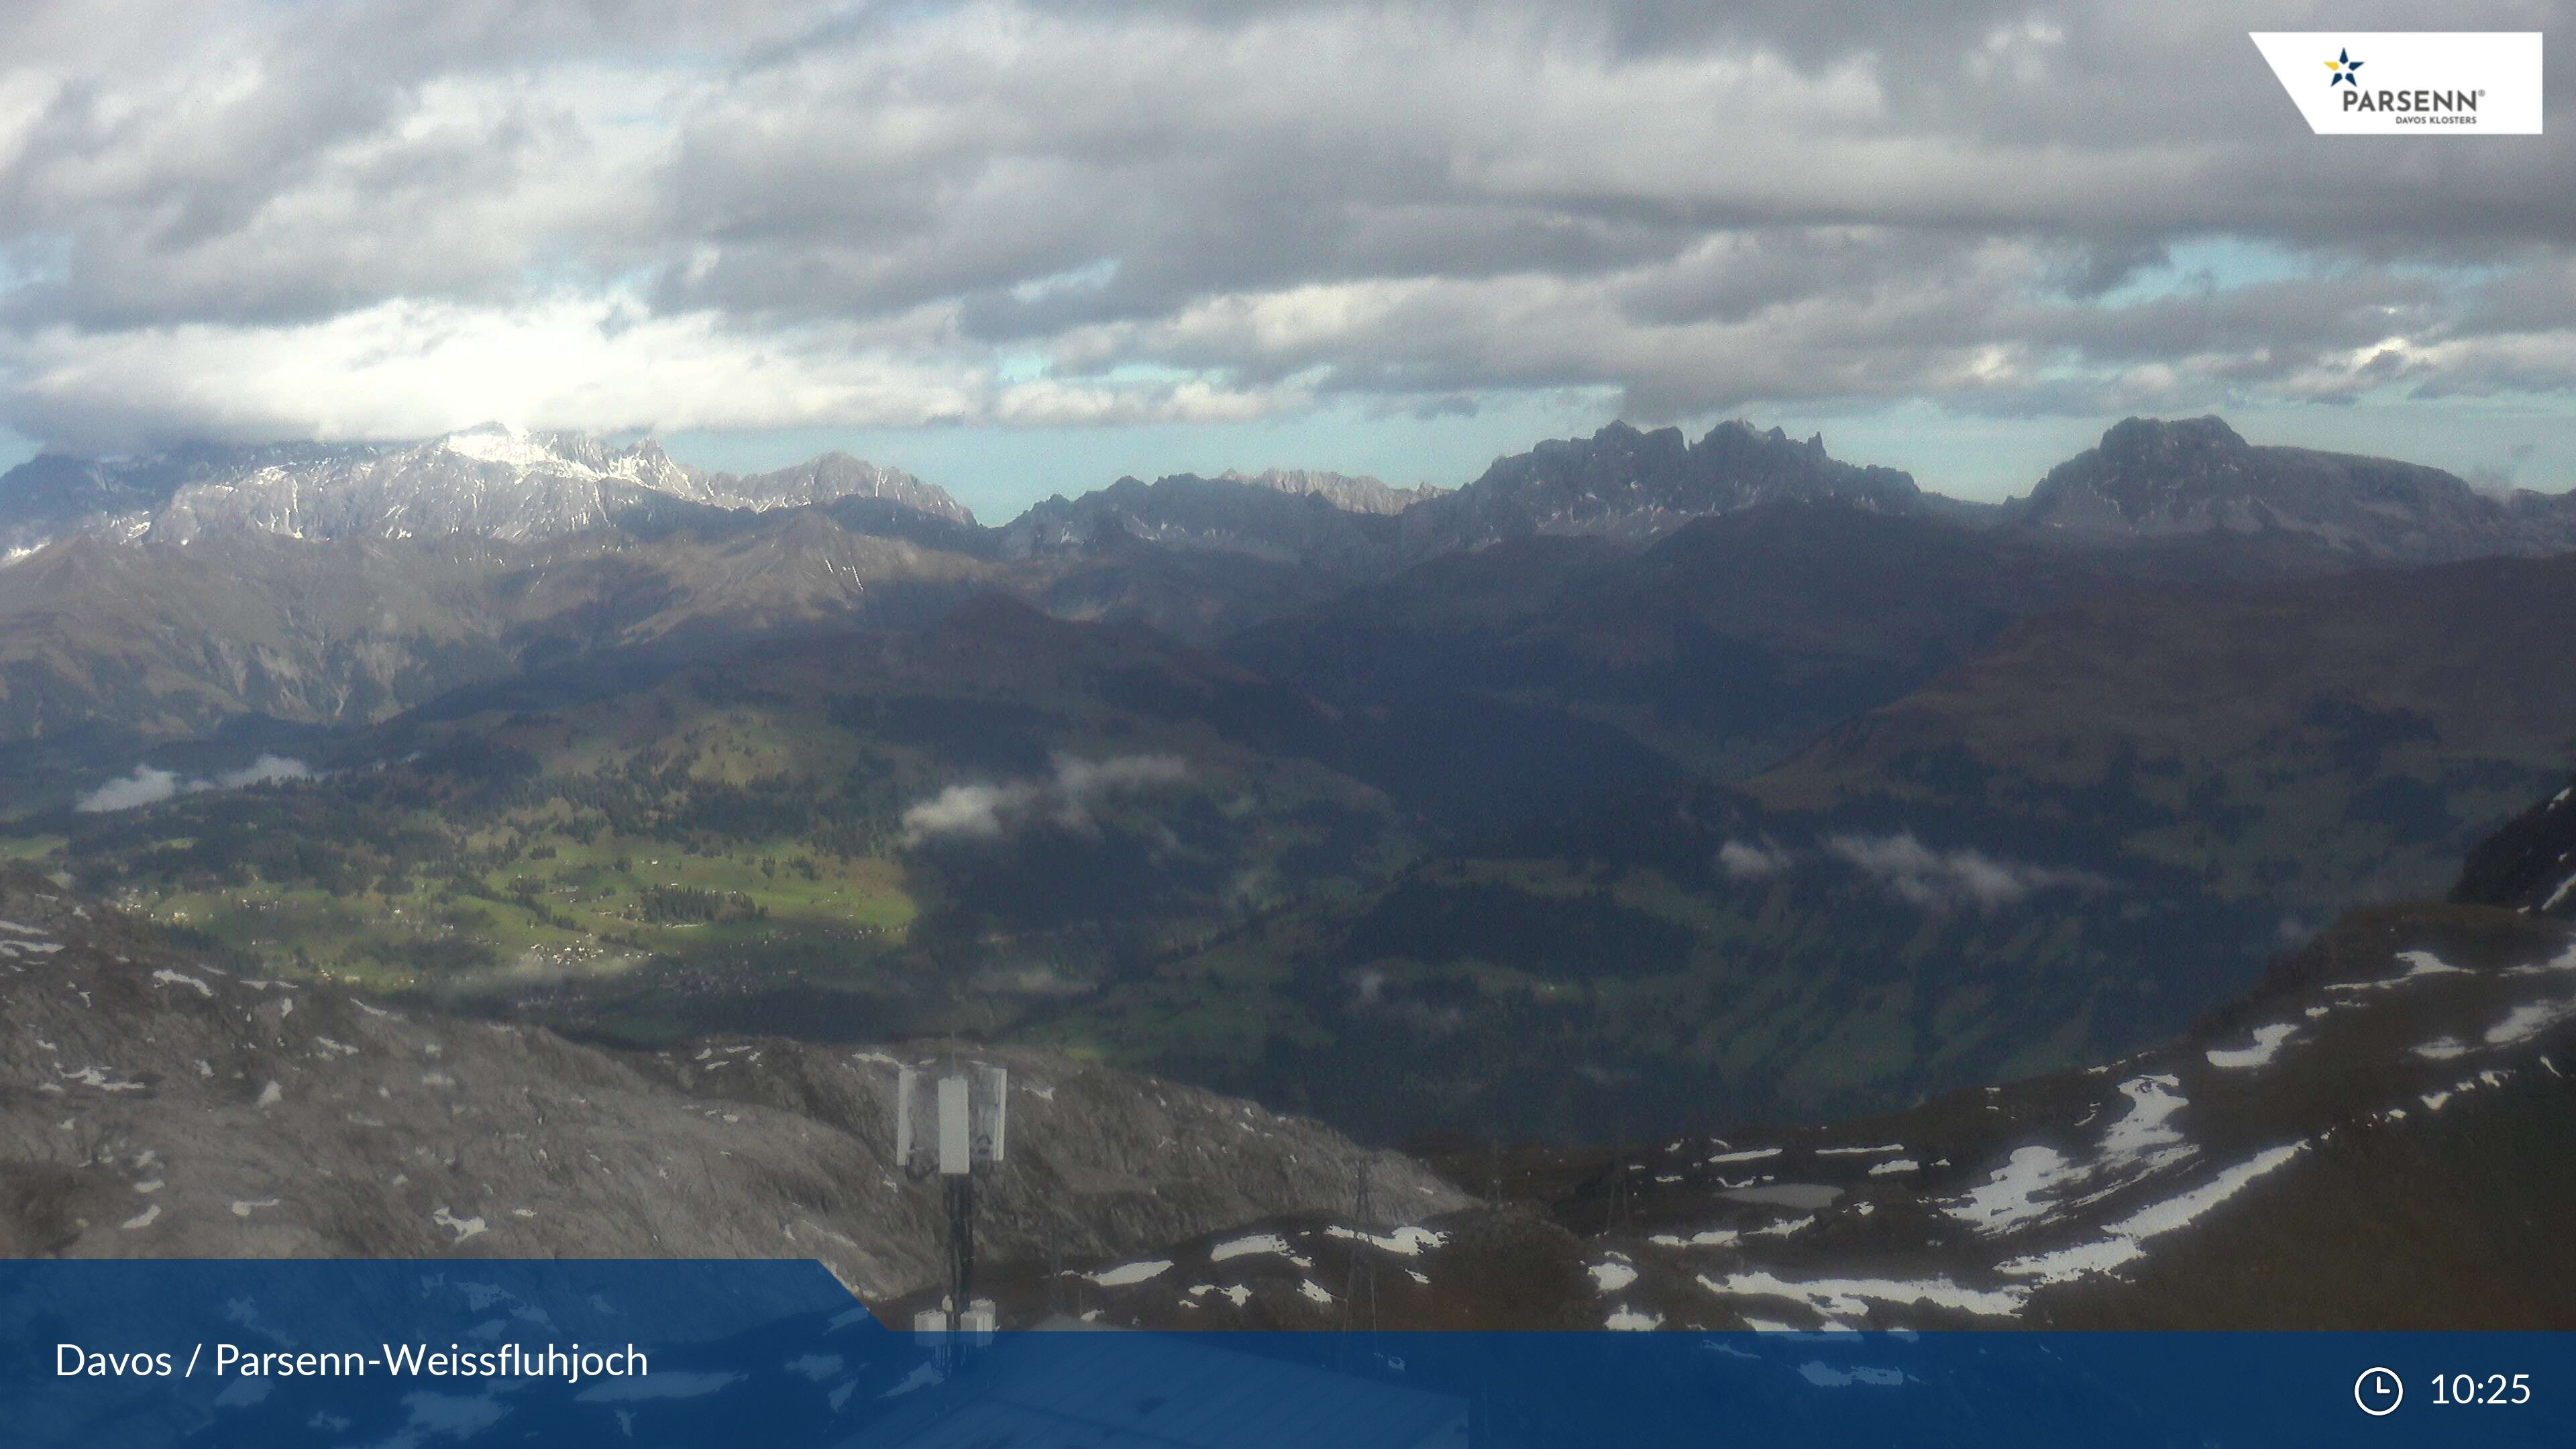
pixel 857 213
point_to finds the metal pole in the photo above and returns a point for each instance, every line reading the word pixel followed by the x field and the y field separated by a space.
pixel 961 1239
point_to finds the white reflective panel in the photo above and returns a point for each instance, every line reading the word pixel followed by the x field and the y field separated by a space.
pixel 956 1142
pixel 992 1112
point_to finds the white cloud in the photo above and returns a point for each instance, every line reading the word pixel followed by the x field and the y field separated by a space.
pixel 987 811
pixel 1945 879
pixel 148 786
pixel 267 769
pixel 244 219
pixel 1744 861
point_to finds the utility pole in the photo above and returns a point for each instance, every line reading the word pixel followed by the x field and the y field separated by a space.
pixel 950 1120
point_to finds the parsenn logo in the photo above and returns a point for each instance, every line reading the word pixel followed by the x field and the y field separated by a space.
pixel 2421 83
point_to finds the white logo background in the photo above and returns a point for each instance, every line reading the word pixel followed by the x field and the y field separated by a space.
pixel 2502 68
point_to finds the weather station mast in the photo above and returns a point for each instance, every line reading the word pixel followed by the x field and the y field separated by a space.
pixel 950 1120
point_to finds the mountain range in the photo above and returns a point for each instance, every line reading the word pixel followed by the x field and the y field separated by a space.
pixel 1637 784
pixel 491 482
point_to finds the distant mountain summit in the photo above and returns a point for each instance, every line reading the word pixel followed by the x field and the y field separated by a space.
pixel 490 482
pixel 1319 520
pixel 1622 483
pixel 2152 478
pixel 830 479
pixel 1353 494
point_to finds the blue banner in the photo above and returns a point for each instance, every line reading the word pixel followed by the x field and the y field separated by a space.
pixel 404 1355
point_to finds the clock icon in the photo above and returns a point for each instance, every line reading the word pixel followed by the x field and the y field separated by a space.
pixel 2378 1391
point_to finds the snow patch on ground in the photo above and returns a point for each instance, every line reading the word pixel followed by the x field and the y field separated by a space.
pixel 1711 1238
pixel 1611 1277
pixel 2527 1022
pixel 169 977
pixel 1623 1321
pixel 2012 1195
pixel 2420 964
pixel 1901 1164
pixel 1751 1154
pixel 1406 1241
pixel 1851 1297
pixel 2267 1044
pixel 2148 1126
pixel 2120 1243
pixel 1257 1243
pixel 1130 1273
pixel 1860 1151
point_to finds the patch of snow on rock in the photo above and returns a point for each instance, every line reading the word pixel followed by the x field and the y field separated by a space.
pixel 2267 1044
pixel 1852 1297
pixel 1406 1241
pixel 2012 1195
pixel 2120 1243
pixel 1130 1273
pixel 2527 1022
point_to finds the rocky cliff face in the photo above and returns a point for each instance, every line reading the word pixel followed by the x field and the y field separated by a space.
pixel 2152 478
pixel 154 1104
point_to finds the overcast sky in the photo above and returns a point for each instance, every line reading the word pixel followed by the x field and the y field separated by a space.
pixel 1026 247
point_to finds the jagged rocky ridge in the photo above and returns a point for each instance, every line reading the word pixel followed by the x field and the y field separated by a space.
pixel 1623 483
pixel 155 1105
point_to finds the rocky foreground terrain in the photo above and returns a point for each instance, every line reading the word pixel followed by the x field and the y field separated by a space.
pixel 153 1105
pixel 2377 1137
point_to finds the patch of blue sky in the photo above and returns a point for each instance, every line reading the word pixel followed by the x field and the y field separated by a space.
pixel 2215 264
pixel 34 260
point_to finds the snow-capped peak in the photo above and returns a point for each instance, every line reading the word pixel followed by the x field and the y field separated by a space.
pixel 501 443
